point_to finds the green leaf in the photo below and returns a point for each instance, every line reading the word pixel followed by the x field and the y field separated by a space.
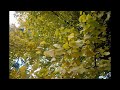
pixel 100 50
pixel 81 31
pixel 87 26
pixel 106 53
pixel 103 39
pixel 88 17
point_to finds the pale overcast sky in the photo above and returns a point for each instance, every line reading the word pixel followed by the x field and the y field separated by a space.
pixel 12 19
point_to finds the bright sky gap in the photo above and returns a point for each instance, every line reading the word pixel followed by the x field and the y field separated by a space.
pixel 12 19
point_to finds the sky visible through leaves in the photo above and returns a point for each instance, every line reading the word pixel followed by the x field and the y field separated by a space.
pixel 59 44
pixel 13 20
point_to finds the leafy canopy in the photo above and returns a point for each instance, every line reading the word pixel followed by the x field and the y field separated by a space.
pixel 53 43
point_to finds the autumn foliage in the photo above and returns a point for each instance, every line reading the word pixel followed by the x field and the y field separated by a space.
pixel 63 44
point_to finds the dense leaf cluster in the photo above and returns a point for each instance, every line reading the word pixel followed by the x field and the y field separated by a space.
pixel 61 44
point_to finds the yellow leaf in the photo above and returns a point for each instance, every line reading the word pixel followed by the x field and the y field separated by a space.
pixel 56 33
pixel 72 44
pixel 53 59
pixel 88 17
pixel 42 43
pixel 79 43
pixel 90 53
pixel 86 37
pixel 87 42
pixel 22 69
pixel 59 52
pixel 76 44
pixel 100 50
pixel 66 46
pixel 81 31
pixel 76 54
pixel 50 53
pixel 63 71
pixel 87 52
pixel 30 44
pixel 38 52
pixel 38 48
pixel 75 69
pixel 65 64
pixel 71 36
pixel 92 11
pixel 103 39
pixel 81 12
pixel 82 18
pixel 69 51
pixel 106 53
pixel 75 50
pixel 57 45
pixel 87 26
pixel 77 62
pixel 33 33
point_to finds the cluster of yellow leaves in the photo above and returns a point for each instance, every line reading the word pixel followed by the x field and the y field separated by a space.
pixel 54 52
pixel 59 41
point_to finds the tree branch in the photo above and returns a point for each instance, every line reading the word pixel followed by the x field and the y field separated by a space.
pixel 61 19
